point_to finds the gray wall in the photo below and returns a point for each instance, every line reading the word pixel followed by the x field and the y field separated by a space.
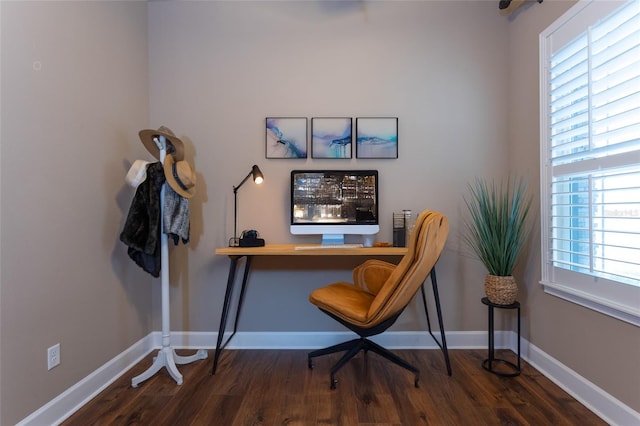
pixel 462 79
pixel 217 69
pixel 600 348
pixel 74 95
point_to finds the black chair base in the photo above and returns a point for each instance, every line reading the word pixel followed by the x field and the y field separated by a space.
pixel 352 348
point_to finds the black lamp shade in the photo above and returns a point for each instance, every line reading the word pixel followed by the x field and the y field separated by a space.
pixel 257 174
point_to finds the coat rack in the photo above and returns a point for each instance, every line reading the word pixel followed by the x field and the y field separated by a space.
pixel 166 357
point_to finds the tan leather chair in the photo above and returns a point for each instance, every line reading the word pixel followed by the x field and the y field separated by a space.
pixel 381 291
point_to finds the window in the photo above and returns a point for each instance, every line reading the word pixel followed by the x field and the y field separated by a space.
pixel 590 157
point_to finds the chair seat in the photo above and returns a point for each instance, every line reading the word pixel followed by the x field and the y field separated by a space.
pixel 343 300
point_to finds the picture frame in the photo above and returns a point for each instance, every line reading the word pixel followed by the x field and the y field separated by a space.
pixel 286 137
pixel 331 137
pixel 377 137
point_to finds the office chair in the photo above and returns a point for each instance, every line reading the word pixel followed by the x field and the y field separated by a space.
pixel 380 292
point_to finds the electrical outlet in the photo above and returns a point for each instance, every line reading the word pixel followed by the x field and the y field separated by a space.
pixel 53 356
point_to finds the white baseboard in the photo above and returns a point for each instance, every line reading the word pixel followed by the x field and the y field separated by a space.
pixel 315 340
pixel 319 339
pixel 605 406
pixel 596 399
pixel 68 402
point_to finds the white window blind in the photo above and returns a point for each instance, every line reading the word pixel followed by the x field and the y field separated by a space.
pixel 590 156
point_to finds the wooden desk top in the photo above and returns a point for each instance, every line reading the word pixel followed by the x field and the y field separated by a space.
pixel 290 250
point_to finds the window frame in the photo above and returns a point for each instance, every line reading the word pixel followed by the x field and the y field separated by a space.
pixel 621 301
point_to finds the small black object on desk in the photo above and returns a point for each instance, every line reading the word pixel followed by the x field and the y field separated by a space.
pixel 249 238
pixel 487 364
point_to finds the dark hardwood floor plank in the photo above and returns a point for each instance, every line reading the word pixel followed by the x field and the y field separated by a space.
pixel 293 381
pixel 297 409
pixel 229 380
pixel 219 410
pixel 556 405
pixel 143 411
pixel 443 389
pixel 272 387
pixel 337 408
pixel 510 416
pixel 503 394
pixel 117 398
pixel 175 411
pixel 375 403
pixel 263 397
pixel 418 406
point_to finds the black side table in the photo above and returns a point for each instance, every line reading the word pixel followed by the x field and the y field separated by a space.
pixel 487 364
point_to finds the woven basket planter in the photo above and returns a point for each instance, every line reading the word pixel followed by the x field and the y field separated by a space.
pixel 501 290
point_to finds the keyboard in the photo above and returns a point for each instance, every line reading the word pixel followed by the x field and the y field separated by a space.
pixel 328 246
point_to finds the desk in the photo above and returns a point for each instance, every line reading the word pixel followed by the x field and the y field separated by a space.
pixel 237 253
pixel 290 250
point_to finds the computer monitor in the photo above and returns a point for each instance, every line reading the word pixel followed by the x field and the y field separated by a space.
pixel 333 203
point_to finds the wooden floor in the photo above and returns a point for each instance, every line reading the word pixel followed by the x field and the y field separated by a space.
pixel 275 387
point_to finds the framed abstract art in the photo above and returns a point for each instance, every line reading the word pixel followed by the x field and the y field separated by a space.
pixel 377 137
pixel 286 137
pixel 331 137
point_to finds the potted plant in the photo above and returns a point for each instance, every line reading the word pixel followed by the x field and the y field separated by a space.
pixel 497 231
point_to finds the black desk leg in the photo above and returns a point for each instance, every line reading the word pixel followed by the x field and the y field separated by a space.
pixel 227 303
pixel 247 268
pixel 225 310
pixel 436 296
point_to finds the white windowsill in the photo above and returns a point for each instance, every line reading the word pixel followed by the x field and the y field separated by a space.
pixel 594 303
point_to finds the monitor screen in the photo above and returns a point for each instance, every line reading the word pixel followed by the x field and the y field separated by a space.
pixel 334 203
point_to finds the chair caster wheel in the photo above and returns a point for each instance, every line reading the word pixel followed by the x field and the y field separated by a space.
pixel 333 383
pixel 416 384
pixel 310 365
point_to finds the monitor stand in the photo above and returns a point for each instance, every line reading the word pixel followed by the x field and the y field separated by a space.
pixel 332 238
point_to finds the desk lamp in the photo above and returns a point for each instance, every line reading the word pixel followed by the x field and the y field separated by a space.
pixel 257 178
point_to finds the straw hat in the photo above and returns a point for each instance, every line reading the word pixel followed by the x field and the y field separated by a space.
pixel 180 176
pixel 147 136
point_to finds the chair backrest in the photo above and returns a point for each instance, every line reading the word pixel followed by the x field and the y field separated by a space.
pixel 425 245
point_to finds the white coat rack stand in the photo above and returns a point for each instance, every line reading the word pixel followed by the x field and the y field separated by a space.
pixel 166 357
